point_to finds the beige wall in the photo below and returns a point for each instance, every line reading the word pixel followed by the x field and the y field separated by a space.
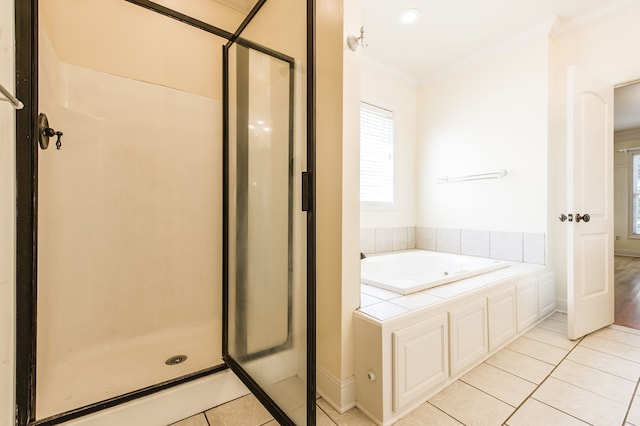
pixel 603 49
pixel 387 90
pixel 7 215
pixel 329 84
pixel 337 188
pixel 489 116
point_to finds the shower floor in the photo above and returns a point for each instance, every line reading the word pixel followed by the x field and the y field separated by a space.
pixel 109 370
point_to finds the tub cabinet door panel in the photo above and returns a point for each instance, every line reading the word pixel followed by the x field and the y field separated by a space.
pixel 502 317
pixel 527 303
pixel 420 354
pixel 468 335
pixel 546 294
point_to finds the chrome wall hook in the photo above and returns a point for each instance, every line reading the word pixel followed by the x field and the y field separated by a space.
pixel 353 42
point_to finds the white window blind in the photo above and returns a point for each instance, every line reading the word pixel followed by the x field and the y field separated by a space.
pixel 635 196
pixel 376 154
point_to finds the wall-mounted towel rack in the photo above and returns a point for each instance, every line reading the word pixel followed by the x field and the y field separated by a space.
pixel 10 98
pixel 491 175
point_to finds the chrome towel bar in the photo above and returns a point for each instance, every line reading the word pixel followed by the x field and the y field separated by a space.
pixel 10 98
pixel 492 175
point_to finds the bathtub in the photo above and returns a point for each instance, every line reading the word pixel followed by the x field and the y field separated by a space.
pixel 415 270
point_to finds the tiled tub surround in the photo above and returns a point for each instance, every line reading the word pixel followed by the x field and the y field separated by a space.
pixel 408 348
pixel 513 246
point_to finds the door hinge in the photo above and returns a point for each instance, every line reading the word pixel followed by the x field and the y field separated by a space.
pixel 307 191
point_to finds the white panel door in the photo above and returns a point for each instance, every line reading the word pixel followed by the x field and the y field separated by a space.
pixel 590 269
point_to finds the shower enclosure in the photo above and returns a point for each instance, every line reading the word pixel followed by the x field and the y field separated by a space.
pixel 168 239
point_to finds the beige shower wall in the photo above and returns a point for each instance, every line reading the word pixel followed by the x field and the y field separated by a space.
pixel 120 38
pixel 210 11
pixel 130 209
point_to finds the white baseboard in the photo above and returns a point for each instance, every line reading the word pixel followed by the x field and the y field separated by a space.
pixel 561 305
pixel 340 394
pixel 172 405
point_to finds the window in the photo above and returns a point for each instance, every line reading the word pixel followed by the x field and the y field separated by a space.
pixel 635 195
pixel 376 155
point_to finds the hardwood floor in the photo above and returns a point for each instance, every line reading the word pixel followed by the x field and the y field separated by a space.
pixel 627 291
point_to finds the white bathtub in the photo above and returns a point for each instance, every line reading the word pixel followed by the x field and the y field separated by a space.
pixel 415 270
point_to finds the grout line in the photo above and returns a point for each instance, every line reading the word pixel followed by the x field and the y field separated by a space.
pixel 633 396
pixel 538 359
pixel 613 355
pixel 485 392
pixel 542 382
pixel 206 419
pixel 502 369
pixel 318 407
pixel 442 411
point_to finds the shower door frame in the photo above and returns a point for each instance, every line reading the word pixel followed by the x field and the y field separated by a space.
pixel 26 54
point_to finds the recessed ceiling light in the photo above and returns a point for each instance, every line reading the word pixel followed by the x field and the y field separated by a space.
pixel 409 16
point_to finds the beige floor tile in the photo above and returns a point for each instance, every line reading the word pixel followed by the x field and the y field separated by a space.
pixel 427 414
pixel 596 381
pixel 499 384
pixel 552 325
pixel 322 419
pixel 609 363
pixel 619 336
pixel 245 411
pixel 471 406
pixel 553 338
pixel 197 420
pixel 581 403
pixel 521 365
pixel 633 416
pixel 535 413
pixel 538 350
pixel 353 417
pixel 623 328
pixel 559 316
pixel 611 347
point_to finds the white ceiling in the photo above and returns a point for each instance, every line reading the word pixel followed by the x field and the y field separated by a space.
pixel 450 31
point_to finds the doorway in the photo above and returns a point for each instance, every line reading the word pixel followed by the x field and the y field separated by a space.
pixel 626 226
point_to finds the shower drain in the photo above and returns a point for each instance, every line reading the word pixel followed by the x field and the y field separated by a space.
pixel 175 360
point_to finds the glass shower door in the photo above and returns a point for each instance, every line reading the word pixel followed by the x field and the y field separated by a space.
pixel 266 340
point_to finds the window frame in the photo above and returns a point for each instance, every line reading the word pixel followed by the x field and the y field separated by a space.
pixel 633 197
pixel 385 108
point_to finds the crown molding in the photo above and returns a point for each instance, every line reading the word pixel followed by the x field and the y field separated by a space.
pixel 564 27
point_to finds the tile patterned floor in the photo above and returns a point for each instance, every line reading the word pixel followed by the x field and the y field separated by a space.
pixel 542 378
